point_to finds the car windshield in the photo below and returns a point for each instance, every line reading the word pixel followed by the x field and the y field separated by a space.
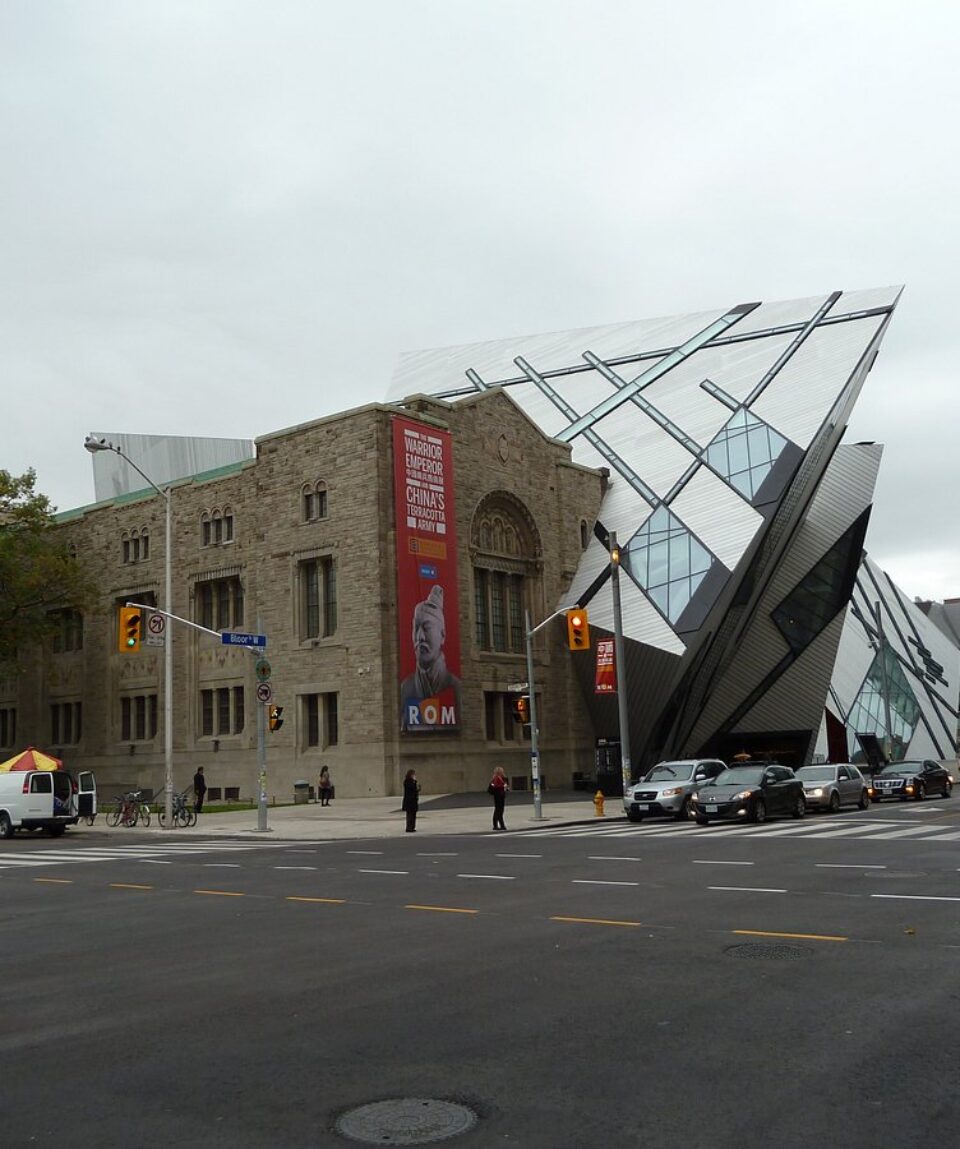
pixel 740 776
pixel 668 770
pixel 901 767
pixel 817 773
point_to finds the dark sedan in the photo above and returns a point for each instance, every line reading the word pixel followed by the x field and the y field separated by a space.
pixel 750 794
pixel 914 780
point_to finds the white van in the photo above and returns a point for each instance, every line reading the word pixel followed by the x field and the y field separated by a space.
pixel 37 799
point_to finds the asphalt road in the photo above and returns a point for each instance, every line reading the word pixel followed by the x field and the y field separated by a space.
pixel 657 985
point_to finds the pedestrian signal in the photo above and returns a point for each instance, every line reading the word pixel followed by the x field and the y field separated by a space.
pixel 131 624
pixel 276 717
pixel 578 632
pixel 521 709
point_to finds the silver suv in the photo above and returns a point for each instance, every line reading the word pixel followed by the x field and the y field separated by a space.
pixel 666 789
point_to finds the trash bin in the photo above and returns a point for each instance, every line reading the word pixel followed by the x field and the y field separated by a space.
pixel 301 793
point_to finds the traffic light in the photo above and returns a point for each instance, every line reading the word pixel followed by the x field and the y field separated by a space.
pixel 578 632
pixel 276 717
pixel 521 709
pixel 131 625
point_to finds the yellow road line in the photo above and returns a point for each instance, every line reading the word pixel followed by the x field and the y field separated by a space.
pixel 325 901
pixel 56 881
pixel 128 886
pixel 808 937
pixel 595 921
pixel 221 893
pixel 442 909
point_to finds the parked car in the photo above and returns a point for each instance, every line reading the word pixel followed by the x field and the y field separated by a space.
pixel 666 789
pixel 750 793
pixel 833 785
pixel 911 780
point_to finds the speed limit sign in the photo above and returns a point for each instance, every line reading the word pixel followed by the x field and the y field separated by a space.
pixel 264 692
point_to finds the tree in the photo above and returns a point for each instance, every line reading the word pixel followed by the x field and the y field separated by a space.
pixel 38 574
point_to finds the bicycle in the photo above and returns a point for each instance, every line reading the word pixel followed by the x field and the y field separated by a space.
pixel 183 814
pixel 129 810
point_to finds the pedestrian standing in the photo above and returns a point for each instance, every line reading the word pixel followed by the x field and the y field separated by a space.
pixel 411 799
pixel 498 788
pixel 326 786
pixel 199 790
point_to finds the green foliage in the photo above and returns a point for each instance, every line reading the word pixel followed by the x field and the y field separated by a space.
pixel 37 572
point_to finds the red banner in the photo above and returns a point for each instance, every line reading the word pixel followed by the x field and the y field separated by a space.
pixel 428 611
pixel 606 667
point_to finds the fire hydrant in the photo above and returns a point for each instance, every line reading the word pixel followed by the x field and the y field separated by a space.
pixel 598 803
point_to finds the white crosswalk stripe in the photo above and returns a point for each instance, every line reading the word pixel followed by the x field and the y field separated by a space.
pixel 811 829
pixel 31 858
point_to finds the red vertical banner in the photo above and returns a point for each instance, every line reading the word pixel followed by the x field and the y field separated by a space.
pixel 606 680
pixel 428 609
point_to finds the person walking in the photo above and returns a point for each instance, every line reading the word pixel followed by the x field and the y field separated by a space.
pixel 498 788
pixel 199 790
pixel 326 786
pixel 411 799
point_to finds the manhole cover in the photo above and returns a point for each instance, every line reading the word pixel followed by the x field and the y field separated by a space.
pixel 770 952
pixel 406 1121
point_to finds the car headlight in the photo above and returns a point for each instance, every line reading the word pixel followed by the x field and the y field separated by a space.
pixel 818 793
pixel 672 793
pixel 743 794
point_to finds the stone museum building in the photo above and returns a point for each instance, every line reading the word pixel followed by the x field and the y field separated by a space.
pixel 300 544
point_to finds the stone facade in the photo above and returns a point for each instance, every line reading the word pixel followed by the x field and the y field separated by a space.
pixel 339 690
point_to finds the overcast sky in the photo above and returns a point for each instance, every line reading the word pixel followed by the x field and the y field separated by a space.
pixel 224 218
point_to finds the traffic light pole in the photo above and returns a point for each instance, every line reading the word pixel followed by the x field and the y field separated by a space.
pixel 626 766
pixel 534 733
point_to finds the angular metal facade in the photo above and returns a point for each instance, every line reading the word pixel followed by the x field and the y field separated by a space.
pixel 727 495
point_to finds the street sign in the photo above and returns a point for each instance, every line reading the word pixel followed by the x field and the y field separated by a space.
pixel 264 692
pixel 262 669
pixel 518 687
pixel 230 638
pixel 156 624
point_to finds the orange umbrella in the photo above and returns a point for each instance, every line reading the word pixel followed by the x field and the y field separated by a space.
pixel 31 759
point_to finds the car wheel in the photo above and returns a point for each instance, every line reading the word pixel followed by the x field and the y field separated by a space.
pixel 947 788
pixel 633 816
pixel 920 794
pixel 759 813
pixel 56 831
pixel 800 806
pixel 864 802
pixel 701 821
pixel 834 806
pixel 6 826
pixel 684 812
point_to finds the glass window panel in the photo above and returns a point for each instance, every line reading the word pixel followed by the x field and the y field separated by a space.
pixel 312 709
pixel 238 710
pixel 657 564
pixel 680 558
pixel 680 593
pixel 333 720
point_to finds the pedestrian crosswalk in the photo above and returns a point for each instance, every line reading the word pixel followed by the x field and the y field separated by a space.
pixel 159 853
pixel 810 829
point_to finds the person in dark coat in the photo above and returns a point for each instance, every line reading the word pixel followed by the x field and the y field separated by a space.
pixel 326 786
pixel 199 790
pixel 411 799
pixel 498 788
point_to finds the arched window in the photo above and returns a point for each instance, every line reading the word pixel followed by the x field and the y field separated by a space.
pixel 216 527
pixel 313 498
pixel 506 557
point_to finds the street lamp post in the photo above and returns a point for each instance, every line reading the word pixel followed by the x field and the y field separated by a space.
pixel 93 445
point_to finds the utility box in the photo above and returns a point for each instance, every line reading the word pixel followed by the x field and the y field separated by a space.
pixel 301 793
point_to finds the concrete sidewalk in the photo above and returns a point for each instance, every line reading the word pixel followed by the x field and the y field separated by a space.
pixel 383 818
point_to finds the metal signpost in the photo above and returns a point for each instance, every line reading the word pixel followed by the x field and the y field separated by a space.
pixel 534 739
